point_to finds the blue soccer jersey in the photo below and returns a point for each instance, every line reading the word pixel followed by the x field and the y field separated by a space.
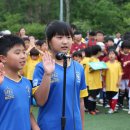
pixel 15 98
pixel 49 117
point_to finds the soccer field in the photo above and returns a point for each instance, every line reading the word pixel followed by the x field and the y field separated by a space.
pixel 102 121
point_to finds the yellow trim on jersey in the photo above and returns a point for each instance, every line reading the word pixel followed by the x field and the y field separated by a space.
pixel 17 81
pixel 34 90
pixel 83 93
pixel 31 109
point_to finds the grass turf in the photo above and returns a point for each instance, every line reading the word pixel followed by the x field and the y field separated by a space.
pixel 102 121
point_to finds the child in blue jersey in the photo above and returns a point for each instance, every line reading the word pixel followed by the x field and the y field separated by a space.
pixel 48 83
pixel 15 90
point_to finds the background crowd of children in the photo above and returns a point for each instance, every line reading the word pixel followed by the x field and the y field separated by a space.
pixel 111 84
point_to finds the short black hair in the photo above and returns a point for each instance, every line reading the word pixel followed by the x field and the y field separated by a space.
pixel 126 36
pixel 99 31
pixel 77 54
pixel 25 39
pixel 73 26
pixel 40 42
pixel 95 49
pixel 109 39
pixel 34 52
pixel 88 51
pixel 92 33
pixel 113 50
pixel 58 28
pixel 125 44
pixel 9 41
pixel 77 33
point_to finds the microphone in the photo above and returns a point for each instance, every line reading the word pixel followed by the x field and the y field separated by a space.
pixel 61 56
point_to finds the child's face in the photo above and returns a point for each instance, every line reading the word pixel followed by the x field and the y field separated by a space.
pixel 112 56
pixel 75 58
pixel 60 43
pixel 118 35
pixel 15 58
pixel 38 47
pixel 22 31
pixel 126 50
pixel 77 38
pixel 110 43
pixel 100 37
pixel 27 44
pixel 34 57
pixel 44 47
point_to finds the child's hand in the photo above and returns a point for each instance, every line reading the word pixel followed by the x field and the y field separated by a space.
pixel 48 63
pixel 2 73
pixel 118 84
pixel 36 128
pixel 125 63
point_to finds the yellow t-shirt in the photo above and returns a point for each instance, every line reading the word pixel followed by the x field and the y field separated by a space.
pixel 112 75
pixel 28 69
pixel 85 62
pixel 95 78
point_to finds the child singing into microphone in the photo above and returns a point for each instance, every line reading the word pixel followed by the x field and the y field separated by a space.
pixel 48 83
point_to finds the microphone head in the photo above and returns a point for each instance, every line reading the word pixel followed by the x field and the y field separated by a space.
pixel 59 56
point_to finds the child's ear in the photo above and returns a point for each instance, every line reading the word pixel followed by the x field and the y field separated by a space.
pixel 3 58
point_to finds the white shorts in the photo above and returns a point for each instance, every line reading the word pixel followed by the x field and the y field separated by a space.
pixel 124 84
pixel 116 96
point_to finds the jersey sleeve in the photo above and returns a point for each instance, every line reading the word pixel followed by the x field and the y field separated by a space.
pixel 37 77
pixel 83 88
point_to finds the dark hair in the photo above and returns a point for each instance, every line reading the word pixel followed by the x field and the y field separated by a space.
pixel 95 49
pixel 92 33
pixel 40 42
pixel 9 41
pixel 113 50
pixel 125 44
pixel 25 39
pixel 126 36
pixel 109 39
pixel 88 51
pixel 73 26
pixel 58 28
pixel 77 33
pixel 34 52
pixel 77 54
pixel 99 31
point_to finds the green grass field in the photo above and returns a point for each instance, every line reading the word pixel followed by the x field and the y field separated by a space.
pixel 102 121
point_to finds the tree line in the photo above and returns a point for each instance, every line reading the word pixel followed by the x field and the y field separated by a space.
pixel 109 16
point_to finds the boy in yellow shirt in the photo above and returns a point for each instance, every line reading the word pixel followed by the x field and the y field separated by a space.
pixel 85 62
pixel 94 81
pixel 112 81
pixel 32 61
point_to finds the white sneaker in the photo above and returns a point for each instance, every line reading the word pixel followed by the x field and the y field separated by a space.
pixel 110 111
pixel 101 101
pixel 107 106
pixel 128 111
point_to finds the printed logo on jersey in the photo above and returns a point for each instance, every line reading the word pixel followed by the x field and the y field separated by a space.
pixel 78 77
pixel 54 77
pixel 35 82
pixel 8 93
pixel 28 91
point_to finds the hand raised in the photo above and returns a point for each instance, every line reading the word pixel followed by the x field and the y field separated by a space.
pixel 48 63
pixel 2 73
